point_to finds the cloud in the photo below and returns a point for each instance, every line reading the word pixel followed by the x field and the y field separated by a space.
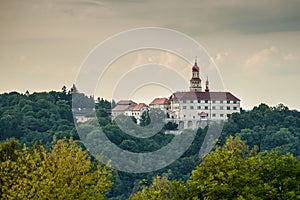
pixel 271 60
pixel 22 58
pixel 262 56
pixel 58 34
pixel 289 56
pixel 219 57
pixel 205 16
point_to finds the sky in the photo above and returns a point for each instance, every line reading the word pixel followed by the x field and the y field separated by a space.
pixel 255 44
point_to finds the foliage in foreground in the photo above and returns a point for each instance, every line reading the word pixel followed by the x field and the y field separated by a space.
pixel 233 172
pixel 66 172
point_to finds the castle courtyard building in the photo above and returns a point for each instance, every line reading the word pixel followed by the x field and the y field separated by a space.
pixel 189 109
pixel 192 108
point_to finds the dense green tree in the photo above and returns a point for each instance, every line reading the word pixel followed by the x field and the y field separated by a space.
pixel 128 145
pixel 64 90
pixel 284 139
pixel 38 116
pixel 171 126
pixel 266 127
pixel 233 172
pixel 161 188
pixel 80 100
pixel 134 119
pixel 222 174
pixel 145 119
pixel 8 150
pixel 64 173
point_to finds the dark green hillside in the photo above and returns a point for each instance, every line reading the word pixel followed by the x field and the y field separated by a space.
pixel 38 117
pixel 267 127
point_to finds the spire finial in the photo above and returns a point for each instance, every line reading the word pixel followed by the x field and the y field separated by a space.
pixel 196 59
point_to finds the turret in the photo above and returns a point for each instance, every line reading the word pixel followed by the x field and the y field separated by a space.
pixel 206 85
pixel 195 82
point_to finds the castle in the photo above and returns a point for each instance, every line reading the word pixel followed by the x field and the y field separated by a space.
pixel 190 109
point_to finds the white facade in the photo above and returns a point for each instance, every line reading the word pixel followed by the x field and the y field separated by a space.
pixel 214 109
pixel 137 111
pixel 190 109
pixel 129 108
pixel 123 107
pixel 161 103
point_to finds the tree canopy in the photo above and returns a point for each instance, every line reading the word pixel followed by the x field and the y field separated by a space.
pixel 233 172
pixel 33 118
pixel 66 172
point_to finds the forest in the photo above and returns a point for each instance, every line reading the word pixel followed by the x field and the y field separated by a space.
pixel 42 156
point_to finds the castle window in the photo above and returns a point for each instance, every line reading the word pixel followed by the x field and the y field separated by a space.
pixel 214 101
pixel 234 108
pixel 191 107
pixel 234 102
pixel 221 101
pixel 221 108
pixel 214 107
pixel 199 101
pixel 183 101
pixel 183 107
pixel 228 107
pixel 199 107
pixel 206 108
pixel 206 101
pixel 228 101
pixel 214 114
pixel 221 115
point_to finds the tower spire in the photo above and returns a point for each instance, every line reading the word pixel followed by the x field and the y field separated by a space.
pixel 206 85
pixel 196 60
pixel 195 82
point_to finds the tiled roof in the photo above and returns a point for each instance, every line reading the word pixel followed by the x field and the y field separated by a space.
pixel 124 105
pixel 139 106
pixel 126 102
pixel 204 96
pixel 160 101
pixel 121 108
pixel 203 114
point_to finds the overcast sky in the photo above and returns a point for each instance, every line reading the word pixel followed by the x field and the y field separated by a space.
pixel 255 44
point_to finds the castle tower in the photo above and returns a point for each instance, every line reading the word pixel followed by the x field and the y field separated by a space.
pixel 195 82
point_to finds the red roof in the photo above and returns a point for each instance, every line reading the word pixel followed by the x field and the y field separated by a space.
pixel 160 101
pixel 197 79
pixel 204 96
pixel 139 106
pixel 195 68
pixel 203 114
